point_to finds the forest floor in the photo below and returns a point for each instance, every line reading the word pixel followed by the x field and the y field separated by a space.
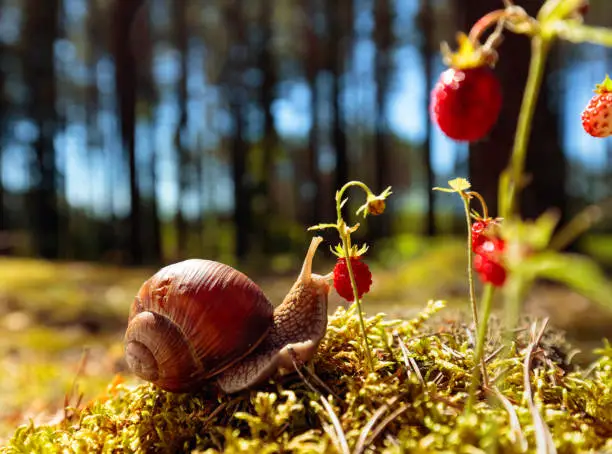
pixel 61 324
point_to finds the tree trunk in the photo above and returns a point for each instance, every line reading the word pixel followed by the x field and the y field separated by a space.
pixel 383 37
pixel 41 30
pixel 180 36
pixel 270 137
pixel 426 22
pixel 126 86
pixel 238 148
pixel 313 66
pixel 149 98
pixel 4 225
pixel 337 13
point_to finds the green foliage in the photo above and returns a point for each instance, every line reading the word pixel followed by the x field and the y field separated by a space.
pixel 413 403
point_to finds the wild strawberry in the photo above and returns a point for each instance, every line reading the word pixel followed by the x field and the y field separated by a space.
pixel 465 103
pixel 597 115
pixel 489 270
pixel 487 260
pixel 342 280
pixel 478 236
pixel 490 247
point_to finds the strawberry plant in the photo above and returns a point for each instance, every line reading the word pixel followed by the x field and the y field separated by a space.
pixel 352 277
pixel 512 253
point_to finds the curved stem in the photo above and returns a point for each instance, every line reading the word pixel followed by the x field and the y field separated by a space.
pixel 346 243
pixel 484 23
pixel 539 52
pixel 466 205
pixel 341 192
pixel 483 204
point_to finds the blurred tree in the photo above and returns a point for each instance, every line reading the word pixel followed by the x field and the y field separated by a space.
pixel 180 133
pixel 236 97
pixel 429 48
pixel 94 40
pixel 4 112
pixel 267 65
pixel 40 32
pixel 141 41
pixel 339 31
pixel 126 86
pixel 313 63
pixel 383 38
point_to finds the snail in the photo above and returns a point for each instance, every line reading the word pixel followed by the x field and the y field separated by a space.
pixel 200 320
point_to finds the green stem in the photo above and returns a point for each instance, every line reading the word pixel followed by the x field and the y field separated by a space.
pixel 514 292
pixel 347 247
pixel 341 192
pixel 539 50
pixel 486 305
pixel 346 243
pixel 466 206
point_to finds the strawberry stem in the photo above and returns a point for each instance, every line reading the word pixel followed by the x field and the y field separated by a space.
pixel 484 23
pixel 466 206
pixel 510 188
pixel 346 243
pixel 486 305
pixel 349 267
pixel 346 250
pixel 483 204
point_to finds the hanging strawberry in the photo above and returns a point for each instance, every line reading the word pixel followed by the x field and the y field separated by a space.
pixel 466 101
pixel 361 272
pixel 597 115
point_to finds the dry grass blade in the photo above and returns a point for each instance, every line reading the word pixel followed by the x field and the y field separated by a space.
pixel 361 442
pixel 544 441
pixel 339 437
pixel 494 354
pixel 516 431
pixel 401 409
pixel 214 413
pixel 73 388
pixel 409 361
pixel 322 384
pixel 417 371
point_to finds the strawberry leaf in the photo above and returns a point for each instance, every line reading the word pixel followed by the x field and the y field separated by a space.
pixel 322 227
pixel 578 272
pixel 456 185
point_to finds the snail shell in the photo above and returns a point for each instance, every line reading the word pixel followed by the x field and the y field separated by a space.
pixel 191 321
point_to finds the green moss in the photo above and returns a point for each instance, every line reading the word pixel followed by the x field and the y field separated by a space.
pixel 413 402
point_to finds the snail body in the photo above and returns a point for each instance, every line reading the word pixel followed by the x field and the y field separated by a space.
pixel 199 320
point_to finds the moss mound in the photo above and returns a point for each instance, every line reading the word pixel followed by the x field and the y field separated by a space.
pixel 414 402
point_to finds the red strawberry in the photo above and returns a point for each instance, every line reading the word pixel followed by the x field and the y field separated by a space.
pixel 465 103
pixel 490 247
pixel 478 237
pixel 597 115
pixel 342 280
pixel 489 270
